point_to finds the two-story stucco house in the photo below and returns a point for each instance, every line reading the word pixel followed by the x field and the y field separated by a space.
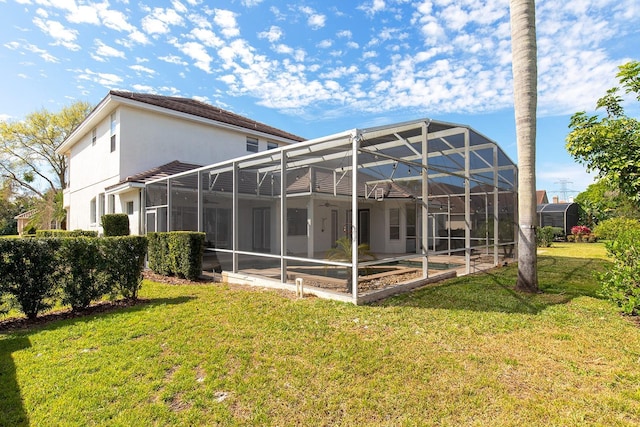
pixel 130 138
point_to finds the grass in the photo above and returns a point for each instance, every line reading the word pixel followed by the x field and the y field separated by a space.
pixel 470 351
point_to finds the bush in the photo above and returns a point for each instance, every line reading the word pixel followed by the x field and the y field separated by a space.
pixel 82 272
pixel 115 224
pixel 176 252
pixel 66 233
pixel 27 273
pixel 546 235
pixel 158 252
pixel 124 262
pixel 610 229
pixel 621 284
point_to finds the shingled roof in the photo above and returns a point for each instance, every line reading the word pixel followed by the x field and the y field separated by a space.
pixel 201 109
pixel 163 171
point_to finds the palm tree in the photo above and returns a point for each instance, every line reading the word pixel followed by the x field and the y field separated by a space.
pixel 342 252
pixel 525 79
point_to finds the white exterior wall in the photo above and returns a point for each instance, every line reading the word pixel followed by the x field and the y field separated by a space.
pixel 91 169
pixel 144 140
pixel 151 139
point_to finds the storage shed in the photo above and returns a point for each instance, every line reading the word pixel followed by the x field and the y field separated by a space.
pixel 562 215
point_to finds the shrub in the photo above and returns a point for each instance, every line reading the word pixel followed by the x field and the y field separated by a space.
pixel 571 238
pixel 124 262
pixel 579 230
pixel 27 268
pixel 115 224
pixel 546 235
pixel 82 272
pixel 621 284
pixel 158 253
pixel 66 233
pixel 610 229
pixel 176 252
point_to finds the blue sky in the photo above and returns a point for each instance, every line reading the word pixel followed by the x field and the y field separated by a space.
pixel 318 67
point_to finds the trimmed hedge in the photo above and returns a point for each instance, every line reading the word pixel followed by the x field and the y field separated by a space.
pixel 125 262
pixel 66 233
pixel 115 224
pixel 176 252
pixel 27 272
pixel 36 272
pixel 81 277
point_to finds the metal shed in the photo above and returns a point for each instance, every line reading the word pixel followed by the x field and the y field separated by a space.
pixel 562 215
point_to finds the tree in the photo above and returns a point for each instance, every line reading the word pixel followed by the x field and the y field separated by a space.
pixel 601 201
pixel 27 148
pixel 611 144
pixel 525 86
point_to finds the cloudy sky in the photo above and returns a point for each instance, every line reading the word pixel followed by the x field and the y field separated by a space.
pixel 319 67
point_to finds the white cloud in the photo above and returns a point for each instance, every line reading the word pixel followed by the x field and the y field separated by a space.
pixel 160 20
pixel 207 37
pixel 273 35
pixel 198 53
pixel 104 51
pixel 251 3
pixel 5 117
pixel 314 20
pixel 226 20
pixel 372 8
pixel 344 33
pixel 63 36
pixel 173 59
pixel 142 69
pixel 105 79
pixel 325 44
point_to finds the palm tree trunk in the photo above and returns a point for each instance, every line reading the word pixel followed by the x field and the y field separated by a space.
pixel 525 77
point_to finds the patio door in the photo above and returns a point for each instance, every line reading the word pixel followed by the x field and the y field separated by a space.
pixel 262 229
pixel 364 225
pixel 334 227
pixel 411 229
pixel 156 219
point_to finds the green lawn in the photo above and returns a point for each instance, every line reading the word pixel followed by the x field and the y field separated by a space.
pixel 469 351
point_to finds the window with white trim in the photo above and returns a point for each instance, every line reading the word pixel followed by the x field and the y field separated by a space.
pixel 271 145
pixel 101 200
pixel 394 224
pixel 92 211
pixel 252 145
pixel 113 132
pixel 112 204
pixel 130 208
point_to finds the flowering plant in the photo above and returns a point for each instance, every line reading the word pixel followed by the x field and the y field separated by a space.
pixel 580 230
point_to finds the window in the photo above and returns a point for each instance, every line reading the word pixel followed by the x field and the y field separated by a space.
pixel 92 211
pixel 129 208
pixel 101 200
pixel 252 145
pixel 296 222
pixel 112 204
pixel 113 132
pixel 94 136
pixel 271 145
pixel 394 224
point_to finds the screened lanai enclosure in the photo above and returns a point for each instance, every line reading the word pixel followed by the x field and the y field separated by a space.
pixel 353 216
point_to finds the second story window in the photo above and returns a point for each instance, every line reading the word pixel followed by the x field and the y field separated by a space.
pixel 252 145
pixel 113 132
pixel 271 145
